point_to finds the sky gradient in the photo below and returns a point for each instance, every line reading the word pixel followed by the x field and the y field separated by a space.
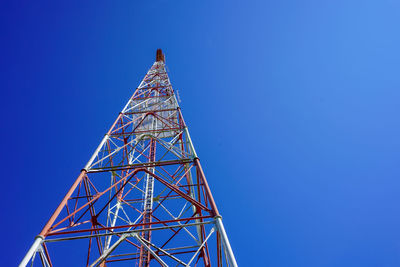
pixel 293 108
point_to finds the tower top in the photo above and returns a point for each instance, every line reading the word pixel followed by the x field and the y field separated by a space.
pixel 160 56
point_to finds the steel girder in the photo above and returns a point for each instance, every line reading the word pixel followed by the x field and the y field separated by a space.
pixel 142 197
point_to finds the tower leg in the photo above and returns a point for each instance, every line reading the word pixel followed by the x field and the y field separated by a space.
pixel 31 251
pixel 225 241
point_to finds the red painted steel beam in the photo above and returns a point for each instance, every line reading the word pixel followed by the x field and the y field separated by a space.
pixel 207 188
pixel 62 205
pixel 128 226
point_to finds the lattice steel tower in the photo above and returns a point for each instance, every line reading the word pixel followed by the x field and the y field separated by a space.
pixel 142 199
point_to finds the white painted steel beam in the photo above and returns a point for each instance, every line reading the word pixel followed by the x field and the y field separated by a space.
pixel 225 241
pixel 150 250
pixel 35 246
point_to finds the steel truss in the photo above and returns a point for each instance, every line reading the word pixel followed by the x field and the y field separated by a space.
pixel 142 197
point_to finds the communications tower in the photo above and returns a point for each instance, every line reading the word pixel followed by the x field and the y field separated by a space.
pixel 142 199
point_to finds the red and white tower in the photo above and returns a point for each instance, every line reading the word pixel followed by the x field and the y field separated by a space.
pixel 142 199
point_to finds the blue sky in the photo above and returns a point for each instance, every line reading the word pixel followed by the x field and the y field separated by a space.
pixel 293 107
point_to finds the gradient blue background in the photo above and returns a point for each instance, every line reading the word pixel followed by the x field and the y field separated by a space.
pixel 293 107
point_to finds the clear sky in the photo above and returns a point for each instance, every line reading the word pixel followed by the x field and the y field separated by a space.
pixel 293 107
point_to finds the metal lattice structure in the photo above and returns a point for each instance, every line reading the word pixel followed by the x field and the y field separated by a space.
pixel 142 199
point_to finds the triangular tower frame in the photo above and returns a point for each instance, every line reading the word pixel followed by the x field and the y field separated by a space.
pixel 143 196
